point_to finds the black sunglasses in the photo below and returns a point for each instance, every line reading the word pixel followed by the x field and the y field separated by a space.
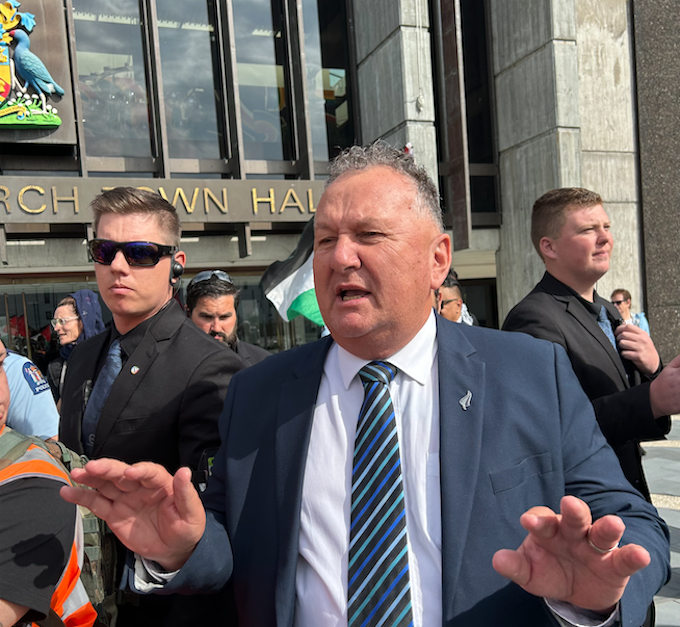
pixel 104 251
pixel 206 275
pixel 618 302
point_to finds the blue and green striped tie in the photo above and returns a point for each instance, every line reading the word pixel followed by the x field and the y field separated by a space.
pixel 379 586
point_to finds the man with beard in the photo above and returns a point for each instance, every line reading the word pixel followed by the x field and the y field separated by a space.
pixel 212 300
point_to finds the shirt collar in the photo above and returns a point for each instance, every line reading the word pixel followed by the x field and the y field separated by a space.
pixel 414 360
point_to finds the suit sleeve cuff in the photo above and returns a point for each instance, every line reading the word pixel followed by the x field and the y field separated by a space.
pixel 569 615
pixel 149 576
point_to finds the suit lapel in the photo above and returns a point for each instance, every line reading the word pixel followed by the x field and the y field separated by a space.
pixel 135 369
pixel 578 311
pixel 295 413
pixel 575 309
pixel 460 372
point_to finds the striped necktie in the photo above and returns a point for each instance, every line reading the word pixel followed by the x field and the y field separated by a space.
pixel 379 586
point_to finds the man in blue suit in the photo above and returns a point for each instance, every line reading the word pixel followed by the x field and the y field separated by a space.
pixel 405 470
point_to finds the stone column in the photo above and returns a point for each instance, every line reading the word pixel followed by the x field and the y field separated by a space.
pixel 657 28
pixel 394 69
pixel 565 118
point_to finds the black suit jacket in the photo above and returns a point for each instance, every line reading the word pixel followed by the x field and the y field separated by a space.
pixel 619 393
pixel 527 438
pixel 251 354
pixel 166 409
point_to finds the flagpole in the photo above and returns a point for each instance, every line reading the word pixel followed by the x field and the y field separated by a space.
pixel 28 339
pixel 10 341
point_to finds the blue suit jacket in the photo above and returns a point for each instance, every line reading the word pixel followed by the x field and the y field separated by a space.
pixel 528 437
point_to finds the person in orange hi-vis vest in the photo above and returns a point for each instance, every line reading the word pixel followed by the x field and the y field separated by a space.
pixel 41 537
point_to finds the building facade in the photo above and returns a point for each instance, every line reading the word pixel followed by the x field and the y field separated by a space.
pixel 231 109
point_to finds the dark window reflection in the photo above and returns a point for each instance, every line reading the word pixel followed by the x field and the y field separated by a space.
pixel 327 59
pixel 260 55
pixel 112 78
pixel 481 300
pixel 483 194
pixel 477 94
pixel 186 37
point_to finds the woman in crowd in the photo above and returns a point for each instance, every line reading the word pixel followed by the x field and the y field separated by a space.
pixel 621 298
pixel 76 318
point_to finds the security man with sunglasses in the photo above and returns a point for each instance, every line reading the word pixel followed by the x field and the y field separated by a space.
pixel 152 386
pixel 212 301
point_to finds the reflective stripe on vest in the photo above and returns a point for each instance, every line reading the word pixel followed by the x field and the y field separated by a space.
pixel 69 601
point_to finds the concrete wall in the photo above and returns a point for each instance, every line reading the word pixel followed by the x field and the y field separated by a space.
pixel 396 95
pixel 608 145
pixel 565 118
pixel 536 75
pixel 657 24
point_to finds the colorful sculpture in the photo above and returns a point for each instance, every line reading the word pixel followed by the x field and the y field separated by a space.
pixel 32 69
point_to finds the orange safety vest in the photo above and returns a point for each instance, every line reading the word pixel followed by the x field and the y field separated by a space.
pixel 69 601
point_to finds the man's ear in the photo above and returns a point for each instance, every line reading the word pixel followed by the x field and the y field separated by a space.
pixel 441 253
pixel 546 245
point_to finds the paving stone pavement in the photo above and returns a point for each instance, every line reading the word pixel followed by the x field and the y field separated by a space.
pixel 662 468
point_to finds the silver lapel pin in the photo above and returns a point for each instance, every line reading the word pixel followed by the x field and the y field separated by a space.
pixel 134 370
pixel 466 400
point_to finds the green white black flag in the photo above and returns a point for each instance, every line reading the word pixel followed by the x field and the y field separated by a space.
pixel 289 284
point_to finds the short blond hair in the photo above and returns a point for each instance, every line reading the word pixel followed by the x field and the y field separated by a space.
pixel 549 214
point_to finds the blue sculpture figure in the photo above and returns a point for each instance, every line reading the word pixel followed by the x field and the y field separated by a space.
pixel 32 69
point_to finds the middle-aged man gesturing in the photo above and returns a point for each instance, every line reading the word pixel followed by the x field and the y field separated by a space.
pixel 152 386
pixel 373 477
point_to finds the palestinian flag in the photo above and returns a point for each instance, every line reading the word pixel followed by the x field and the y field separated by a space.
pixel 289 284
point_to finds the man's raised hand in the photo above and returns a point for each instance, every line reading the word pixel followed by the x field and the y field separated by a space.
pixel 558 559
pixel 154 514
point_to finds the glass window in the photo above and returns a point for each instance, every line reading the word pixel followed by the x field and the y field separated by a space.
pixel 187 44
pixel 41 300
pixel 481 300
pixel 483 194
pixel 327 59
pixel 112 78
pixel 477 91
pixel 260 56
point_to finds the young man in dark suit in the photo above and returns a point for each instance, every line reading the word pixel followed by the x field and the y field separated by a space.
pixel 212 302
pixel 377 476
pixel 167 379
pixel 616 364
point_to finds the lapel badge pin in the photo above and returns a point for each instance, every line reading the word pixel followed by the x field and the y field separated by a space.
pixel 135 370
pixel 466 400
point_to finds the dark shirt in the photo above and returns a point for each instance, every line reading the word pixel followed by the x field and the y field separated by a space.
pixel 36 534
pixel 130 341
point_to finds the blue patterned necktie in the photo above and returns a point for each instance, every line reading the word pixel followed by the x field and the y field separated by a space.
pixel 100 392
pixel 379 585
pixel 606 326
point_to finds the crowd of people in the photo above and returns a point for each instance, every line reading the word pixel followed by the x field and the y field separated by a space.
pixel 402 470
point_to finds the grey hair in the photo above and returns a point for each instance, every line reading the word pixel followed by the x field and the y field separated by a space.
pixel 380 153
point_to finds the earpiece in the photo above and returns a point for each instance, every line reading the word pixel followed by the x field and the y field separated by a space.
pixel 176 270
